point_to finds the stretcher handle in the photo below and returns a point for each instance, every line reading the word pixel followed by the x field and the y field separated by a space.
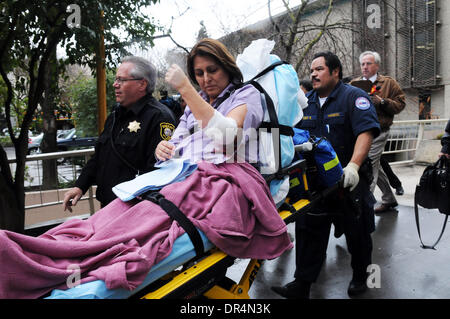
pixel 305 147
pixel 299 164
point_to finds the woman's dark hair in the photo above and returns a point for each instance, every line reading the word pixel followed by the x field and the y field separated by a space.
pixel 331 61
pixel 217 51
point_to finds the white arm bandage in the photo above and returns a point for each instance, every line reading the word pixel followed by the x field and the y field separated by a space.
pixel 221 129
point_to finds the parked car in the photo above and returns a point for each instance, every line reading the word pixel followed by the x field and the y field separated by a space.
pixel 72 141
pixel 5 132
pixel 34 143
pixel 65 140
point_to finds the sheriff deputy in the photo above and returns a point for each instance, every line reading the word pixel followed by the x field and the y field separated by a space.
pixel 132 131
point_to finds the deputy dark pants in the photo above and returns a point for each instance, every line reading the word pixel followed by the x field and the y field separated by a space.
pixel 312 233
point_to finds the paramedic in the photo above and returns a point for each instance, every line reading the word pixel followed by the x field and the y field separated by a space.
pixel 219 107
pixel 347 118
pixel 132 131
pixel 389 100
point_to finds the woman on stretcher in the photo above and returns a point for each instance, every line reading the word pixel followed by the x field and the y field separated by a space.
pixel 225 197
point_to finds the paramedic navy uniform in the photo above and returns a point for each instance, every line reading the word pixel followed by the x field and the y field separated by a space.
pixel 347 112
pixel 137 131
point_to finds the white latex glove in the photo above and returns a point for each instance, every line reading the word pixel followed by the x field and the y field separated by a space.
pixel 176 77
pixel 351 176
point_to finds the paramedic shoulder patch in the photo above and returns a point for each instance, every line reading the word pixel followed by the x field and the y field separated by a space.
pixel 166 130
pixel 362 103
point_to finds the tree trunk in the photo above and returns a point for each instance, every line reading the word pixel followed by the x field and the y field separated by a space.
pixel 11 218
pixel 48 144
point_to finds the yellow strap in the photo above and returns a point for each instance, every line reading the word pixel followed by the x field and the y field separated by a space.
pixel 331 164
pixel 294 182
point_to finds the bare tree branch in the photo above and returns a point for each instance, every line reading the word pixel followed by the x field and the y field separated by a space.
pixel 274 24
pixel 295 19
pixel 317 37
pixel 168 35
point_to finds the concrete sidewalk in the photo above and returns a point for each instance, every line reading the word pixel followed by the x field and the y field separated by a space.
pixel 409 175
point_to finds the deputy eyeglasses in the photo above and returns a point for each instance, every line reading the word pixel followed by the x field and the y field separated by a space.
pixel 121 80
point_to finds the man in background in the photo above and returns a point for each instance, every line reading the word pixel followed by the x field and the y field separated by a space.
pixel 388 99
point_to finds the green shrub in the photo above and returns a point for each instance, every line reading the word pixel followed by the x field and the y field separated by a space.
pixel 5 141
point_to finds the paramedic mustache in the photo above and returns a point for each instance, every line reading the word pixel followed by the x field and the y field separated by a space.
pixel 323 88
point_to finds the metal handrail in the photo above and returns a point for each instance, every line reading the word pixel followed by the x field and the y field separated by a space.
pixel 54 155
pixel 420 121
pixel 407 147
pixel 86 153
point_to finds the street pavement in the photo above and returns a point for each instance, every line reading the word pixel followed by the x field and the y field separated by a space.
pixel 402 269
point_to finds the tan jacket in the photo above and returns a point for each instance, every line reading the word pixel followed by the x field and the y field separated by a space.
pixel 393 96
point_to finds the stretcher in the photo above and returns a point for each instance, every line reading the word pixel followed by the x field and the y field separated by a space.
pixel 183 275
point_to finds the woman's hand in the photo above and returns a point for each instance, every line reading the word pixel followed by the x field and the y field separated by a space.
pixel 176 77
pixel 164 151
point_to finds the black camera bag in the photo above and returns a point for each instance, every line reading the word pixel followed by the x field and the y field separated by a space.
pixel 433 192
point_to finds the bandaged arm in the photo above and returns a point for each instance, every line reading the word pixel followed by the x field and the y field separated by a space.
pixel 221 129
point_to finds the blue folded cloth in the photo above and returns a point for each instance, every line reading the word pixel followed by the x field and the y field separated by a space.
pixel 168 172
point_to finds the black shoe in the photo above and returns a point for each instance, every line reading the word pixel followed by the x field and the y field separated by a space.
pixel 294 290
pixel 356 287
pixel 399 190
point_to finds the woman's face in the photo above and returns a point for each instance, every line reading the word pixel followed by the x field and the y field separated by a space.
pixel 211 77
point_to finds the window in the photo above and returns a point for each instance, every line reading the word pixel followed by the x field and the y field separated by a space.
pixel 416 43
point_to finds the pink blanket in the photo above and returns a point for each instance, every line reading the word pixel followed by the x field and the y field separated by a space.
pixel 230 203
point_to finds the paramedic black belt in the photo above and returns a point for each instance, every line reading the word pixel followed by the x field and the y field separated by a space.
pixel 176 214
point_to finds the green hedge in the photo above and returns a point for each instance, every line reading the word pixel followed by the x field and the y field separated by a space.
pixel 5 141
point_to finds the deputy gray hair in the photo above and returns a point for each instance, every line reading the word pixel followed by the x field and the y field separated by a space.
pixel 375 55
pixel 142 69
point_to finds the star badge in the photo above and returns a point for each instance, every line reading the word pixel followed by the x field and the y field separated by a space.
pixel 134 126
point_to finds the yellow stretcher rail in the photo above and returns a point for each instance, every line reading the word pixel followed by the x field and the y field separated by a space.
pixel 236 291
pixel 187 275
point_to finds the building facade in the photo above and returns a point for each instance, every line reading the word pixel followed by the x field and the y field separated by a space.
pixel 412 37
